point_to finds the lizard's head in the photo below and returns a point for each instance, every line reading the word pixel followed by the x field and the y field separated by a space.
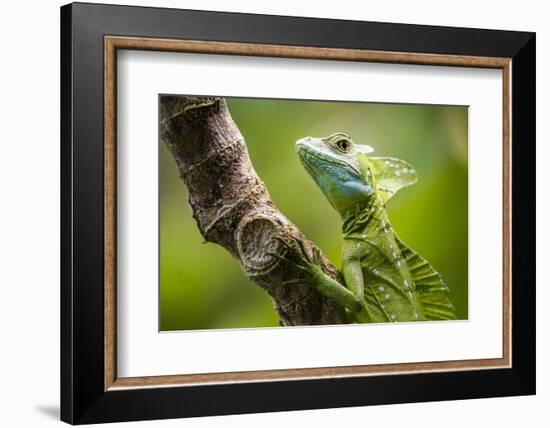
pixel 333 163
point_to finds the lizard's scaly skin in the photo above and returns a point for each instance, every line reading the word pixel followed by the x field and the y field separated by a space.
pixel 389 280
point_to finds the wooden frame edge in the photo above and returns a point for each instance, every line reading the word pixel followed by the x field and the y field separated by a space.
pixel 112 43
pixel 309 373
pixel 301 52
pixel 109 198
pixel 507 213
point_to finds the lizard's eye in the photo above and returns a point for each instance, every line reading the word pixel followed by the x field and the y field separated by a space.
pixel 343 145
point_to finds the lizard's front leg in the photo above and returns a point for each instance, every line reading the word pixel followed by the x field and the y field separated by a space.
pixel 332 289
pixel 324 284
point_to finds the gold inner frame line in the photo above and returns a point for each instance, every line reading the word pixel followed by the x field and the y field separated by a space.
pixel 113 43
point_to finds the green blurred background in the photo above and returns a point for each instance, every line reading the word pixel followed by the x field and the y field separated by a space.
pixel 203 287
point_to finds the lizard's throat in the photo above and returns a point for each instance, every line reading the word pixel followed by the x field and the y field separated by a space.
pixel 355 219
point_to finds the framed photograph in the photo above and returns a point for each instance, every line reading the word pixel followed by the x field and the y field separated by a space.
pixel 266 213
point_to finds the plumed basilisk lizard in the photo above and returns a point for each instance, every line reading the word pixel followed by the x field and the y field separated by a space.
pixel 385 281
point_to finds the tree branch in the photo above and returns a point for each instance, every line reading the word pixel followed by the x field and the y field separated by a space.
pixel 233 209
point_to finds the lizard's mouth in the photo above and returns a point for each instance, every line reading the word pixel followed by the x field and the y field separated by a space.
pixel 339 180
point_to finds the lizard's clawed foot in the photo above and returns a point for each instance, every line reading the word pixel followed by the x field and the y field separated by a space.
pixel 310 265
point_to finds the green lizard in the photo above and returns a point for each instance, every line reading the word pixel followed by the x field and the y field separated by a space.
pixel 385 280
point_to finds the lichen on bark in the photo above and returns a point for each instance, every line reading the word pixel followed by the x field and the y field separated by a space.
pixel 232 207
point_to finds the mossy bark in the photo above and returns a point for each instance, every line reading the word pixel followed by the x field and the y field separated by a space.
pixel 232 207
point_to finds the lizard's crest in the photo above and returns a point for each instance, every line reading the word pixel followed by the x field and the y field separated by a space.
pixel 388 174
pixel 346 175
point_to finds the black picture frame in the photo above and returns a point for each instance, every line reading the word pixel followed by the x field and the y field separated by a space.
pixel 83 396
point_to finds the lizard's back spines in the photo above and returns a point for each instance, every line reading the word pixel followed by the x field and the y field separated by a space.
pixel 429 287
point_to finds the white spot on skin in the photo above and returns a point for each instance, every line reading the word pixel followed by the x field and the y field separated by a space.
pixel 398 173
pixel 380 288
pixel 409 294
pixel 375 271
pixel 386 296
pixel 398 263
pixel 392 317
pixel 405 282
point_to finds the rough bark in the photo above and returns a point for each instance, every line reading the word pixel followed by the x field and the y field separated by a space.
pixel 232 207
